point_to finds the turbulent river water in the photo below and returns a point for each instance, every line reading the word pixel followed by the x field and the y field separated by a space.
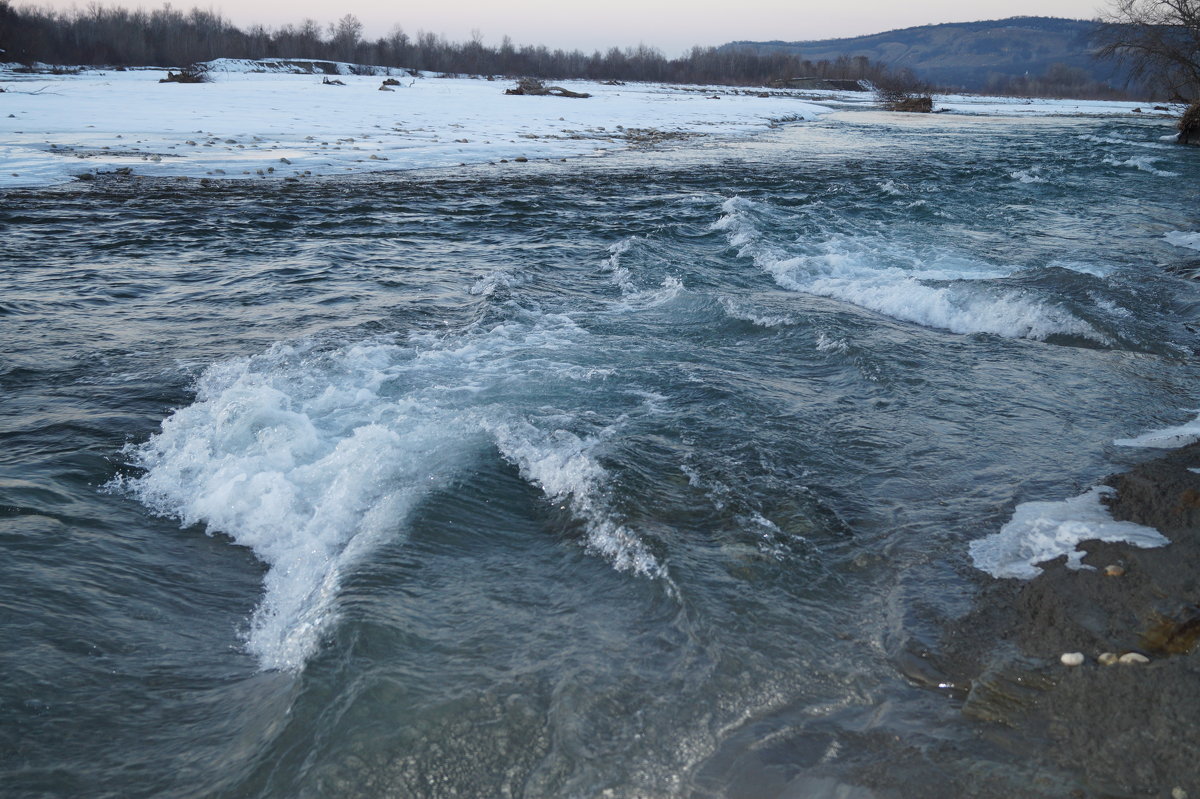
pixel 644 476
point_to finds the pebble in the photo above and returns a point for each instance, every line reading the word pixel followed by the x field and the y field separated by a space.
pixel 1113 570
pixel 1179 793
pixel 1107 658
pixel 1072 658
pixel 1133 657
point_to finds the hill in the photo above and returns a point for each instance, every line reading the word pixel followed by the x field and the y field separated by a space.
pixel 973 56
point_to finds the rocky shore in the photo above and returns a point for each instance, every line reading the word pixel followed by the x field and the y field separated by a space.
pixel 1095 671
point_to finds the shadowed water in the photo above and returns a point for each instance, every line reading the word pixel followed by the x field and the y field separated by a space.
pixel 633 478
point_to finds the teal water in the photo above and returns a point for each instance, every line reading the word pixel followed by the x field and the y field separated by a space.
pixel 634 478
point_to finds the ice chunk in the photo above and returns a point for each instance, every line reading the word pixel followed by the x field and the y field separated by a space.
pixel 1041 531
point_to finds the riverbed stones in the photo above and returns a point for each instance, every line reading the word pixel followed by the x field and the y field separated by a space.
pixel 1133 658
pixel 1107 658
pixel 1071 658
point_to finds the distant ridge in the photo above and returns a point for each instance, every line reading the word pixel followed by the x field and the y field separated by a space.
pixel 966 55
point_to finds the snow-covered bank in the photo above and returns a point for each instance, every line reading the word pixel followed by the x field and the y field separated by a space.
pixel 248 123
pixel 1043 107
pixel 55 128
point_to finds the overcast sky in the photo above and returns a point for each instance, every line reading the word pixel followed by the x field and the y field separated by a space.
pixel 670 25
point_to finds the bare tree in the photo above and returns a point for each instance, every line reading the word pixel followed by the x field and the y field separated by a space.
pixel 1160 42
pixel 345 36
pixel 903 91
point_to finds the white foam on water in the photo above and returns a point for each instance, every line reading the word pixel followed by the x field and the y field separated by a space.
pixel 932 287
pixel 1182 239
pixel 1028 176
pixel 313 457
pixel 736 309
pixel 488 284
pixel 1166 438
pixel 640 299
pixel 890 187
pixel 621 276
pixel 826 343
pixel 1150 145
pixel 563 465
pixel 1143 162
pixel 1042 531
pixel 1108 306
pixel 307 468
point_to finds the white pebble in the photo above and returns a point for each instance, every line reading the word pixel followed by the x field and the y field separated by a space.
pixel 1072 658
pixel 1107 658
pixel 1134 657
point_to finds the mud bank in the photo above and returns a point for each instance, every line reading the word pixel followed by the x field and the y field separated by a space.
pixel 1125 729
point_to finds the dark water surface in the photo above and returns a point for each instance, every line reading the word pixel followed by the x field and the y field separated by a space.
pixel 639 478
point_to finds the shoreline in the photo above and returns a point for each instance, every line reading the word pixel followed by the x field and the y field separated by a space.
pixel 1124 728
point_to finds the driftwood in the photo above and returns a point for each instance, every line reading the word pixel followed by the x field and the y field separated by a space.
pixel 193 74
pixel 534 87
pixel 327 82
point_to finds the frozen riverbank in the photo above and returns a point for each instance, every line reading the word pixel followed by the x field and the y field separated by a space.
pixel 54 128
pixel 243 124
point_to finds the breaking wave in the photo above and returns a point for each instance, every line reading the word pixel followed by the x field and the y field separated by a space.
pixel 313 456
pixel 1144 163
pixel 931 287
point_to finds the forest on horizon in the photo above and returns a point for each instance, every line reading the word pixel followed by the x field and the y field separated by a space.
pixel 168 37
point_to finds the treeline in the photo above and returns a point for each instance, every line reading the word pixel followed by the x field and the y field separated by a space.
pixel 169 37
pixel 1059 80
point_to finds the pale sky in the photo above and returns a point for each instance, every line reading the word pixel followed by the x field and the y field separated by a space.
pixel 672 26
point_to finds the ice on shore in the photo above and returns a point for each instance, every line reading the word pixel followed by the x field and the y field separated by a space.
pixel 1166 438
pixel 1182 239
pixel 1042 531
pixel 55 127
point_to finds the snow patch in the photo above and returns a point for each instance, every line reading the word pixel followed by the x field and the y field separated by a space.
pixel 1181 239
pixel 256 113
pixel 1166 438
